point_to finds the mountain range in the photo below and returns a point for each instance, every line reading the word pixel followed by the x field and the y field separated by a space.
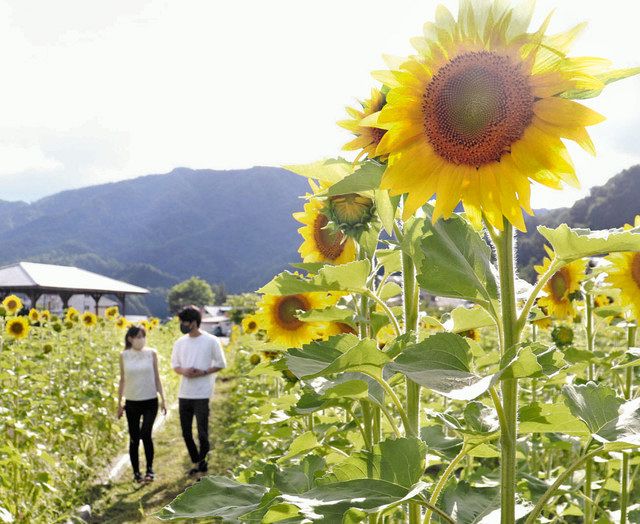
pixel 227 227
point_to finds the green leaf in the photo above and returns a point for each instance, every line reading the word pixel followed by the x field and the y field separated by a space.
pixel 631 359
pixel 609 418
pixel 330 170
pixel 301 444
pixel 606 78
pixel 386 208
pixel 214 497
pixel 436 439
pixel 336 502
pixel 345 277
pixel 454 260
pixel 352 386
pixel 468 505
pixel 300 477
pixel 464 319
pixel 339 354
pixel 391 259
pixel 366 178
pixel 401 461
pixel 572 244
pixel 441 363
pixel 480 418
pixel 330 314
pixel 550 418
pixel 389 290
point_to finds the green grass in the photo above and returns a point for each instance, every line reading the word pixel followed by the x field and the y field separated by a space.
pixel 123 501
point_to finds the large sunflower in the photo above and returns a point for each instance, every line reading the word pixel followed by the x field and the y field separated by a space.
pixel 321 242
pixel 277 314
pixel 12 304
pixel 480 112
pixel 624 274
pixel 559 288
pixel 17 327
pixel 361 124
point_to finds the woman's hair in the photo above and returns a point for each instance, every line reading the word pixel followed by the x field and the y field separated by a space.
pixel 133 332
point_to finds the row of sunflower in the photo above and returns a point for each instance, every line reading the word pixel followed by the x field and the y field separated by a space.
pixel 58 384
pixel 393 415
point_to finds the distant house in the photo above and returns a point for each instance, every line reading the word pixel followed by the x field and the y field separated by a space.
pixel 58 287
pixel 215 320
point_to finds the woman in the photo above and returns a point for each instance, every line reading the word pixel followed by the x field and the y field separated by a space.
pixel 140 384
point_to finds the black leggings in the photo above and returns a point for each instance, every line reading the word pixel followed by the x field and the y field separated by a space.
pixel 135 410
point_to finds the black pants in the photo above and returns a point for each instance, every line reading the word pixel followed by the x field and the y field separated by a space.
pixel 147 411
pixel 200 408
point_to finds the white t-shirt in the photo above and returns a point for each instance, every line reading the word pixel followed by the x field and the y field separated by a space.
pixel 139 375
pixel 201 352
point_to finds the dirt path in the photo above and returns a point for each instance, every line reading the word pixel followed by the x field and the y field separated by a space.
pixel 123 501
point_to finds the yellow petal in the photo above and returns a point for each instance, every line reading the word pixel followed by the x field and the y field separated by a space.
pixel 566 113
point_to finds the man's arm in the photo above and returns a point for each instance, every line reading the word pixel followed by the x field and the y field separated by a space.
pixel 187 372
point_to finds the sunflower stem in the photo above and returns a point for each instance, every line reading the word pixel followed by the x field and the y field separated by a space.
pixel 556 264
pixel 624 471
pixel 508 427
pixel 588 503
pixel 411 305
pixel 531 518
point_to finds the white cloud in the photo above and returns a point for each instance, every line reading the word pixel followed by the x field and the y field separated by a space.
pixel 123 88
pixel 18 159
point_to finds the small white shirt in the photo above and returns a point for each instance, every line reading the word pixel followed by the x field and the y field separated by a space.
pixel 201 352
pixel 139 376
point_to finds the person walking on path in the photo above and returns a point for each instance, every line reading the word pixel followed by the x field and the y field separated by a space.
pixel 140 385
pixel 197 356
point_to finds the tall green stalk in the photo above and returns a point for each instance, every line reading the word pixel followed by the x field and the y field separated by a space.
pixel 508 430
pixel 624 471
pixel 588 504
pixel 411 302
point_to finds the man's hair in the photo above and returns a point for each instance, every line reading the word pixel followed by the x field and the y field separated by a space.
pixel 189 314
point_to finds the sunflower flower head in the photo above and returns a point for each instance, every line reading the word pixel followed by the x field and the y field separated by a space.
pixel 34 315
pixel 89 319
pixel 249 324
pixel 482 110
pixel 362 124
pixel 111 312
pixel 351 213
pixel 562 336
pixel 122 323
pixel 12 304
pixel 624 274
pixel 278 315
pixel 71 315
pixel 561 288
pixel 322 242
pixel 17 327
pixel 45 315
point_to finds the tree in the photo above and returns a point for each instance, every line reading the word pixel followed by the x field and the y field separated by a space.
pixel 194 291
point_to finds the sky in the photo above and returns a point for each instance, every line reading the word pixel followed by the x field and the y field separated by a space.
pixel 99 91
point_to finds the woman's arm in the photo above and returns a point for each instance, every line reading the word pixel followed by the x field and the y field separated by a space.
pixel 121 387
pixel 163 407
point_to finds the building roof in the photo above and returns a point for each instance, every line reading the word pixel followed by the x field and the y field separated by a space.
pixel 49 277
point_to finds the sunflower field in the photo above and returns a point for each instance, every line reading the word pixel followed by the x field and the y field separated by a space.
pixel 362 401
pixel 58 400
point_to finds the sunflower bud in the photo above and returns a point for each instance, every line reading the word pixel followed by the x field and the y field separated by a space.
pixel 254 359
pixel 351 213
pixel 562 336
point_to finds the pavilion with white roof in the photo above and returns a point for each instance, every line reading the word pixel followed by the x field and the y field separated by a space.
pixel 34 280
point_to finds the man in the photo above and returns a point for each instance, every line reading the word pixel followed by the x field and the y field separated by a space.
pixel 196 356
